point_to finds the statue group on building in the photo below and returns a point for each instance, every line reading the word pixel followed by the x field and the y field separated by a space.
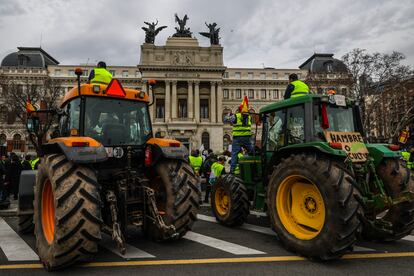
pixel 181 31
pixel 151 32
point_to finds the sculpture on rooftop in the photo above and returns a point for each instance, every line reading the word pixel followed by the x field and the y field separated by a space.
pixel 151 31
pixel 182 31
pixel 213 33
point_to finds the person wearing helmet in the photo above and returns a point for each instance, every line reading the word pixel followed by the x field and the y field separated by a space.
pixel 295 88
pixel 100 75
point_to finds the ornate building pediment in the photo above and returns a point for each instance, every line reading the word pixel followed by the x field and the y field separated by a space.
pixel 182 58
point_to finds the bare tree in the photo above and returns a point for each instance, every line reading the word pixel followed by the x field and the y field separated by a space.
pixel 43 93
pixel 371 73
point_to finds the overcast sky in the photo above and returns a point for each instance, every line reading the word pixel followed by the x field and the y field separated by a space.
pixel 273 33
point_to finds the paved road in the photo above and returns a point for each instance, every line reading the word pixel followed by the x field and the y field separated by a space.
pixel 209 249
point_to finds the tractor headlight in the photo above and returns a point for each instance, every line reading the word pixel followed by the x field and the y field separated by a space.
pixel 141 94
pixel 96 89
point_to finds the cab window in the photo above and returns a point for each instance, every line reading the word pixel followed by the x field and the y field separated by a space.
pixel 275 137
pixel 295 125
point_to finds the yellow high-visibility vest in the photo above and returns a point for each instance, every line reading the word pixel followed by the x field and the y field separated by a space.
pixel 196 162
pixel 301 89
pixel 242 130
pixel 102 76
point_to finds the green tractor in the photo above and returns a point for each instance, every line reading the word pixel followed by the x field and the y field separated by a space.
pixel 321 185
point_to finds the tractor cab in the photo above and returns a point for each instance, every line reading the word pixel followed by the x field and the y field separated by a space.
pixel 115 117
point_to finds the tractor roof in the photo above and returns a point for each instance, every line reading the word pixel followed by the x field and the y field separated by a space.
pixel 299 100
pixel 92 90
pixel 289 102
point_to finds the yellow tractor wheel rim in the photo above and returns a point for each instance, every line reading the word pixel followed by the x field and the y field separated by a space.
pixel 222 201
pixel 300 207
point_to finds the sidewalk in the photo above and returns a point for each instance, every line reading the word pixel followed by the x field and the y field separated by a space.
pixel 12 211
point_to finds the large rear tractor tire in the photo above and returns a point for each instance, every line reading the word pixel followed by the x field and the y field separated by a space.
pixel 398 221
pixel 312 207
pixel 229 201
pixel 25 224
pixel 67 212
pixel 177 199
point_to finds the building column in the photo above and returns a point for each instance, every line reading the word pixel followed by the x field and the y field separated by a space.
pixel 197 101
pixel 213 103
pixel 219 102
pixel 153 100
pixel 190 103
pixel 174 102
pixel 167 102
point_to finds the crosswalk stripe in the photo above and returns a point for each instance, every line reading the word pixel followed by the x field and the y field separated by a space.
pixel 221 245
pixel 246 226
pixel 362 249
pixel 14 247
pixel 131 251
pixel 408 238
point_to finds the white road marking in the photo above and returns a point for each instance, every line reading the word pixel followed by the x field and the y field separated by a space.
pixel 408 238
pixel 131 251
pixel 362 249
pixel 268 231
pixel 246 226
pixel 221 245
pixel 13 246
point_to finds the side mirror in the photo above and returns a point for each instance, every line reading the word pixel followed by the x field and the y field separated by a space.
pixel 33 124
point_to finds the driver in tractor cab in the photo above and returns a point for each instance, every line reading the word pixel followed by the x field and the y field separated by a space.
pixel 295 88
pixel 100 75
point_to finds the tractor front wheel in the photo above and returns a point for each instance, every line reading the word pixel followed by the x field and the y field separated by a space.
pixel 67 212
pixel 229 201
pixel 312 207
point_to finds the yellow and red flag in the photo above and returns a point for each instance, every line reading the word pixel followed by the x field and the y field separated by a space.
pixel 244 106
pixel 29 107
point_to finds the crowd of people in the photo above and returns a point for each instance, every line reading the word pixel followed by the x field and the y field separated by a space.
pixel 11 167
pixel 209 167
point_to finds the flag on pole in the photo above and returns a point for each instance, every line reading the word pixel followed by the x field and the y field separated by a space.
pixel 244 106
pixel 29 107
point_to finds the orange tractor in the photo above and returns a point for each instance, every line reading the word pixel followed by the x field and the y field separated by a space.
pixel 102 172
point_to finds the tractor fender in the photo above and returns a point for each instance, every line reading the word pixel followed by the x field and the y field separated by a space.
pixel 167 149
pixel 77 149
pixel 26 191
pixel 381 151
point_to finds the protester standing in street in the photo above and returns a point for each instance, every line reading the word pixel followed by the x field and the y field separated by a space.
pixel 26 163
pixel 13 175
pixel 206 170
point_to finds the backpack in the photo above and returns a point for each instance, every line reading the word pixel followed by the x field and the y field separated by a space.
pixel 206 167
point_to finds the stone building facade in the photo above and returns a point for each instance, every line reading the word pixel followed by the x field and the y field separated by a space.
pixel 193 91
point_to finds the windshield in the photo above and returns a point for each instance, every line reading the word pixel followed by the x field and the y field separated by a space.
pixel 339 118
pixel 117 122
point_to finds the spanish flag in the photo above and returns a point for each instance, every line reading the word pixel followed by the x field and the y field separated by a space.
pixel 29 107
pixel 244 106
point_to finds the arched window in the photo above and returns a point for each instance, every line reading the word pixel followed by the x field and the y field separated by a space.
pixel 17 142
pixel 226 141
pixel 205 140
